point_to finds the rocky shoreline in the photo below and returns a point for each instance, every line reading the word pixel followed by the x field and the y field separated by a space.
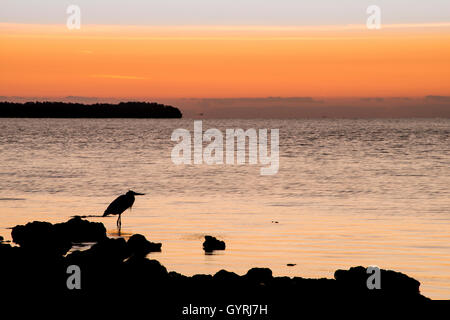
pixel 38 267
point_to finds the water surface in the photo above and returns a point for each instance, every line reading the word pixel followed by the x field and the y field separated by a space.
pixel 348 192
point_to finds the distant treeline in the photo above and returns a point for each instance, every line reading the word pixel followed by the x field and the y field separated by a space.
pixel 78 110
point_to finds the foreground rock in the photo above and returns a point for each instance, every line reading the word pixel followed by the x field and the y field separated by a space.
pixel 79 230
pixel 57 239
pixel 210 244
pixel 393 284
pixel 140 246
pixel 115 275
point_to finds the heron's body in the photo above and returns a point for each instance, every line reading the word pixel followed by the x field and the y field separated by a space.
pixel 120 204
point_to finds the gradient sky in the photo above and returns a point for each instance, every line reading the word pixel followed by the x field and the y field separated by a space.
pixel 224 49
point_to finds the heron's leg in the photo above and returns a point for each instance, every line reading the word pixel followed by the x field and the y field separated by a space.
pixel 119 221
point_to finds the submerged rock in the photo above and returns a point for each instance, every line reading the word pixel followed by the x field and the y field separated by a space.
pixel 210 244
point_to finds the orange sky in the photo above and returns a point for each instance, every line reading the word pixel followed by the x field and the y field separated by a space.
pixel 132 61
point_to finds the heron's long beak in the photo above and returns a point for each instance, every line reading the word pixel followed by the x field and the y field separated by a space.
pixel 139 194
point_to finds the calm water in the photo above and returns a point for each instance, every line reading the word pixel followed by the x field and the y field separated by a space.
pixel 348 192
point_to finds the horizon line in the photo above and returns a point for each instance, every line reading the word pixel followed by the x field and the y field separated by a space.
pixel 235 97
pixel 240 27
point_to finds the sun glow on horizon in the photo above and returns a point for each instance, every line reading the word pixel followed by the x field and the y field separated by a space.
pixel 225 61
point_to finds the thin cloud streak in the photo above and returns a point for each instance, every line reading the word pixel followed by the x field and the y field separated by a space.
pixel 116 76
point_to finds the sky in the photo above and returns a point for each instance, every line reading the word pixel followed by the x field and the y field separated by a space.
pixel 225 12
pixel 224 49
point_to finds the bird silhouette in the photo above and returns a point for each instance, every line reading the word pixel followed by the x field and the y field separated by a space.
pixel 120 204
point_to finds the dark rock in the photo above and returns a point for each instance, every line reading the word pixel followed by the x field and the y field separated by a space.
pixel 108 251
pixel 283 283
pixel 79 230
pixel 393 283
pixel 101 266
pixel 27 271
pixel 144 275
pixel 202 277
pixel 140 246
pixel 210 244
pixel 41 237
pixel 116 271
pixel 259 275
pixel 141 268
pixel 115 249
pixel 175 276
pixel 58 238
pixel 224 275
pixel 1 238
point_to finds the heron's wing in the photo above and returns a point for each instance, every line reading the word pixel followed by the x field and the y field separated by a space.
pixel 118 206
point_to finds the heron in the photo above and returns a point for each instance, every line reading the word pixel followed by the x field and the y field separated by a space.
pixel 120 204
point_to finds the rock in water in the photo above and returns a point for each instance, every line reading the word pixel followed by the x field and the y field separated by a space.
pixel 212 244
pixel 57 238
pixel 41 237
pixel 139 246
pixel 79 230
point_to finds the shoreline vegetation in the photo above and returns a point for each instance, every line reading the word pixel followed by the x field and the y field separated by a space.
pixel 49 109
pixel 37 267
